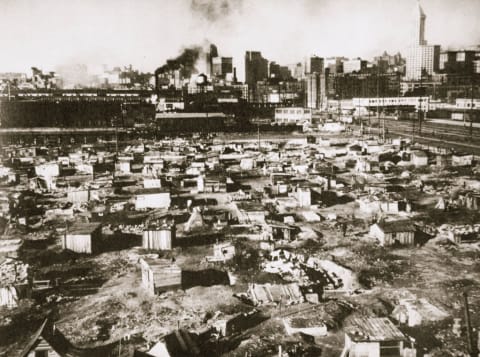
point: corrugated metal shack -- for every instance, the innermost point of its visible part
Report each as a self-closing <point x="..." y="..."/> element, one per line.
<point x="159" y="238"/>
<point x="83" y="238"/>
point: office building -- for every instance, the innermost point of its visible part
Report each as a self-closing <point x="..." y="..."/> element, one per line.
<point x="256" y="68"/>
<point x="422" y="59"/>
<point x="354" y="65"/>
<point x="459" y="62"/>
<point x="280" y="73"/>
<point x="315" y="90"/>
<point x="315" y="65"/>
<point x="362" y="85"/>
<point x="334" y="64"/>
<point x="297" y="70"/>
<point x="221" y="66"/>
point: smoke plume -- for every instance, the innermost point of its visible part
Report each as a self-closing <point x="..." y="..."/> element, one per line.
<point x="213" y="10"/>
<point x="185" y="62"/>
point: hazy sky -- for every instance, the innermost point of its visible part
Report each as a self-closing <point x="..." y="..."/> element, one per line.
<point x="46" y="33"/>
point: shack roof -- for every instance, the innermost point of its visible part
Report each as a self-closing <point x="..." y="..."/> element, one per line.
<point x="419" y="153"/>
<point x="151" y="191"/>
<point x="189" y="115"/>
<point x="403" y="225"/>
<point x="182" y="343"/>
<point x="250" y="206"/>
<point x="83" y="228"/>
<point x="376" y="329"/>
<point x="61" y="345"/>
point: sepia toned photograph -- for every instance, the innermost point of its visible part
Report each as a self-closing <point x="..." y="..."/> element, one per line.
<point x="239" y="178"/>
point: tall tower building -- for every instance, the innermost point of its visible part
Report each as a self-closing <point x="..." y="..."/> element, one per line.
<point x="221" y="66"/>
<point x="420" y="27"/>
<point x="256" y="68"/>
<point x="315" y="65"/>
<point x="315" y="90"/>
<point x="422" y="59"/>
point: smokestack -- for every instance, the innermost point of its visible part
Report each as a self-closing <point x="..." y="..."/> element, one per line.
<point x="234" y="74"/>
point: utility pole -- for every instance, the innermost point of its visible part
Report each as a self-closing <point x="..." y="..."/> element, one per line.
<point x="472" y="348"/>
<point x="420" y="112"/>
<point x="258" y="136"/>
<point x="413" y="128"/>
<point x="471" y="106"/>
<point x="378" y="105"/>
<point x="378" y="98"/>
<point x="115" y="122"/>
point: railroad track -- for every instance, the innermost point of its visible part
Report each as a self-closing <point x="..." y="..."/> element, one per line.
<point x="439" y="134"/>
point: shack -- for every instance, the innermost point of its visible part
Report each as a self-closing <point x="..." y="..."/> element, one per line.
<point x="83" y="238"/>
<point x="250" y="213"/>
<point x="414" y="312"/>
<point x="464" y="234"/>
<point x="178" y="343"/>
<point x="13" y="281"/>
<point x="278" y="231"/>
<point x="81" y="196"/>
<point x="222" y="252"/>
<point x="418" y="158"/>
<point x="239" y="323"/>
<point x="152" y="198"/>
<point x="159" y="238"/>
<point x="41" y="344"/>
<point x="398" y="232"/>
<point x="462" y="159"/>
<point x="373" y="337"/>
<point x="159" y="275"/>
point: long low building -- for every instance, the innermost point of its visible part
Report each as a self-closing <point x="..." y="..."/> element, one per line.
<point x="190" y="122"/>
<point x="293" y="115"/>
<point x="419" y="103"/>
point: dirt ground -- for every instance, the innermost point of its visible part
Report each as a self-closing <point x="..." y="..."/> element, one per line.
<point x="116" y="305"/>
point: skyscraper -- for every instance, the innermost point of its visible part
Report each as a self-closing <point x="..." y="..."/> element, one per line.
<point x="315" y="90"/>
<point x="256" y="68"/>
<point x="422" y="59"/>
<point x="221" y="66"/>
<point x="420" y="27"/>
<point x="315" y="65"/>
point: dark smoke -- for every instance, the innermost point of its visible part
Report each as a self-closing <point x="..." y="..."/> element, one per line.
<point x="213" y="10"/>
<point x="185" y="62"/>
<point x="213" y="51"/>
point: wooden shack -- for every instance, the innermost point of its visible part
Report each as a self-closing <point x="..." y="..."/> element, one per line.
<point x="83" y="238"/>
<point x="159" y="275"/>
<point x="152" y="198"/>
<point x="373" y="337"/>
<point x="250" y="212"/>
<point x="39" y="345"/>
<point x="175" y="344"/>
<point x="398" y="232"/>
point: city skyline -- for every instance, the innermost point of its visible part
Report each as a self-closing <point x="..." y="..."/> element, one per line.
<point x="52" y="33"/>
